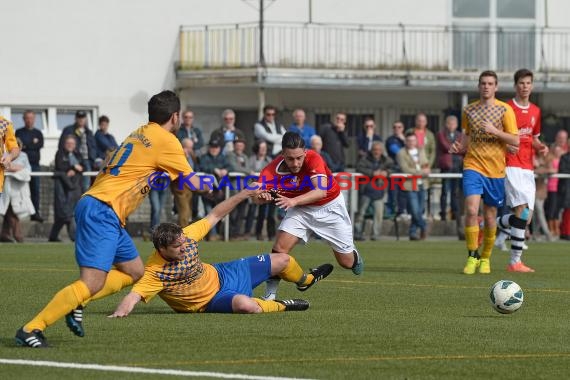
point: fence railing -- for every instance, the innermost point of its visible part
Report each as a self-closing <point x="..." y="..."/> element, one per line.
<point x="352" y="192"/>
<point x="375" y="47"/>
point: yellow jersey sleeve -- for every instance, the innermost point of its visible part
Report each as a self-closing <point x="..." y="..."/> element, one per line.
<point x="149" y="285"/>
<point x="510" y="121"/>
<point x="197" y="231"/>
<point x="124" y="181"/>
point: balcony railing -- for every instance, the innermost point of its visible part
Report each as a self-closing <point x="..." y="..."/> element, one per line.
<point x="400" y="47"/>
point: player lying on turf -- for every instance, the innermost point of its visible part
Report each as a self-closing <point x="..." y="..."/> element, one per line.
<point x="175" y="272"/>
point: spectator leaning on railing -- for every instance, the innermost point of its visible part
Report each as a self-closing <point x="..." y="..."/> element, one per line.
<point x="374" y="164"/>
<point x="33" y="141"/>
<point x="413" y="160"/>
<point x="85" y="144"/>
<point x="16" y="203"/>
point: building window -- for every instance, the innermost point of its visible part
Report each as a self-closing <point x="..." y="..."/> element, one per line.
<point x="66" y="117"/>
<point x="471" y="8"/>
<point x="17" y="116"/>
<point x="516" y="9"/>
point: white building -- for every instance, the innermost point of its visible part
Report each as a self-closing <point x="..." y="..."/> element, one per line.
<point x="366" y="57"/>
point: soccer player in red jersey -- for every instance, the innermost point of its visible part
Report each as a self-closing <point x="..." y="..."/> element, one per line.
<point x="300" y="182"/>
<point x="520" y="186"/>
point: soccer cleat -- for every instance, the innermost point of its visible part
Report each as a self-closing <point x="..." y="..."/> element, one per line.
<point x="519" y="267"/>
<point x="34" y="339"/>
<point x="294" y="304"/>
<point x="471" y="265"/>
<point x="318" y="273"/>
<point x="74" y="321"/>
<point x="484" y="266"/>
<point x="524" y="246"/>
<point x="358" y="267"/>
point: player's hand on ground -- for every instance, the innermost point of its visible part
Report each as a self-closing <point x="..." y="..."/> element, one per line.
<point x="284" y="202"/>
<point x="118" y="314"/>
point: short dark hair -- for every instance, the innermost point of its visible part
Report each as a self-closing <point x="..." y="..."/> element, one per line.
<point x="292" y="140"/>
<point x="269" y="107"/>
<point x="165" y="234"/>
<point x="161" y="107"/>
<point x="256" y="145"/>
<point x="523" y="73"/>
<point x="27" y="112"/>
<point x="103" y="119"/>
<point x="410" y="133"/>
<point x="489" y="73"/>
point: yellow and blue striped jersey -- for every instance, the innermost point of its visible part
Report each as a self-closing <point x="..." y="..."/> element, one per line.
<point x="486" y="153"/>
<point x="123" y="182"/>
<point x="186" y="285"/>
<point x="7" y="143"/>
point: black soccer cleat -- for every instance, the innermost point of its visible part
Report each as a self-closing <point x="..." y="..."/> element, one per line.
<point x="294" y="304"/>
<point x="74" y="320"/>
<point x="318" y="273"/>
<point x="34" y="339"/>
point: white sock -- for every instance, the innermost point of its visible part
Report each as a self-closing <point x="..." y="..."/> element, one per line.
<point x="271" y="286"/>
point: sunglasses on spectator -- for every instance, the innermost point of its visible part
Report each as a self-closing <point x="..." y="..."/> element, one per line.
<point x="369" y="125"/>
<point x="270" y="114"/>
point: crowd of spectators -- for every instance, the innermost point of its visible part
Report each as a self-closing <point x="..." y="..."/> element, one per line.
<point x="419" y="150"/>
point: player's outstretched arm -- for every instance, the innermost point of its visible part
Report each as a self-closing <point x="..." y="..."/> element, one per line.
<point x="318" y="192"/>
<point x="126" y="306"/>
<point x="224" y="208"/>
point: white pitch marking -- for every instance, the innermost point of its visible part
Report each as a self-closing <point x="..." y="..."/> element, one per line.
<point x="156" y="371"/>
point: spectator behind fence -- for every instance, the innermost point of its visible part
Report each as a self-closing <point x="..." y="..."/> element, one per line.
<point x="301" y="127"/>
<point x="228" y="132"/>
<point x="269" y="130"/>
<point x="539" y="221"/>
<point x="16" y="202"/>
<point x="367" y="137"/>
<point x="214" y="162"/>
<point x="372" y="194"/>
<point x="413" y="160"/>
<point x="189" y="131"/>
<point x="552" y="203"/>
<point x="426" y="138"/>
<point x="317" y="146"/>
<point x="105" y="141"/>
<point x="183" y="198"/>
<point x="239" y="163"/>
<point x="449" y="163"/>
<point x="335" y="140"/>
<point x="9" y="149"/>
<point x="564" y="196"/>
<point x="33" y="141"/>
<point x="67" y="188"/>
<point x="257" y="161"/>
<point x="396" y="204"/>
<point x="85" y="145"/>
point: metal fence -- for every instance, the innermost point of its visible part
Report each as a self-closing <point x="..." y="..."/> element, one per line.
<point x="375" y="47"/>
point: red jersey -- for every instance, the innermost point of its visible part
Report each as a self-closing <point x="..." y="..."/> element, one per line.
<point x="277" y="175"/>
<point x="528" y="123"/>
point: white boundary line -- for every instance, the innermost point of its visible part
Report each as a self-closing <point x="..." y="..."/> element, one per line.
<point x="156" y="371"/>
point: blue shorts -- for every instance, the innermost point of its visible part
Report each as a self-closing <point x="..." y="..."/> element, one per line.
<point x="239" y="277"/>
<point x="100" y="239"/>
<point x="491" y="189"/>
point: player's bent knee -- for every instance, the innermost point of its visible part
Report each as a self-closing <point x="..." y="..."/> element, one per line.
<point x="245" y="305"/>
<point x="279" y="261"/>
<point x="345" y="260"/>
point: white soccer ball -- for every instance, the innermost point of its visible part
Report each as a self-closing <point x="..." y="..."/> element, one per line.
<point x="506" y="296"/>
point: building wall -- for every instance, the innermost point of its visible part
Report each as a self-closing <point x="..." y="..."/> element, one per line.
<point x="113" y="55"/>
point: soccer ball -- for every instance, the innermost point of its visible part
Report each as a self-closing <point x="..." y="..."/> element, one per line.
<point x="506" y="296"/>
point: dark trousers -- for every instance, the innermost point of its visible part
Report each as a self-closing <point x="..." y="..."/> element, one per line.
<point x="35" y="188"/>
<point x="58" y="225"/>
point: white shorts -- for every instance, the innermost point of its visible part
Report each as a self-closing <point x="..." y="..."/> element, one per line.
<point x="520" y="187"/>
<point x="330" y="221"/>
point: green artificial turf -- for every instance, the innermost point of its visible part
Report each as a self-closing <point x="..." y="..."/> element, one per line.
<point x="411" y="315"/>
